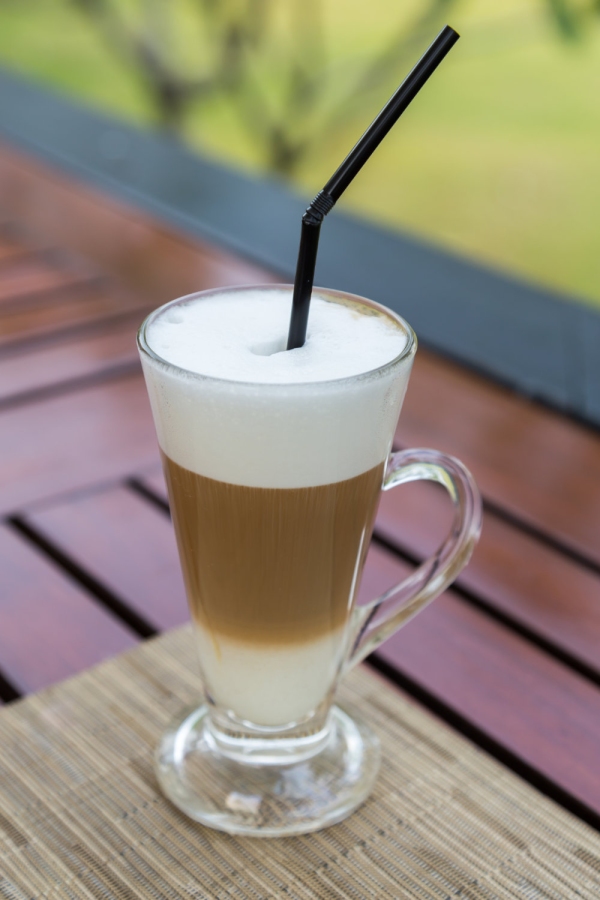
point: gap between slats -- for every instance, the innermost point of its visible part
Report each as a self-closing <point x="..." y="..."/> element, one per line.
<point x="534" y="531"/>
<point x="483" y="740"/>
<point x="499" y="616"/>
<point x="95" y="588"/>
<point x="112" y="372"/>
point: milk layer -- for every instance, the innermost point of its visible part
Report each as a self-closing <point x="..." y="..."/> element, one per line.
<point x="227" y="407"/>
<point x="269" y="685"/>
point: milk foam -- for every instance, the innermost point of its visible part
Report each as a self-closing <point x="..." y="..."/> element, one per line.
<point x="242" y="337"/>
<point x="288" y="419"/>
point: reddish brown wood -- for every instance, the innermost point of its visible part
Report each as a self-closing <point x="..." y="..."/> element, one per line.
<point x="538" y="465"/>
<point x="68" y="442"/>
<point x="142" y="252"/>
<point x="10" y="246"/>
<point x="531" y="704"/>
<point x="30" y="274"/>
<point x="50" y="628"/>
<point x="546" y="591"/>
<point x="48" y="314"/>
<point x="126" y="544"/>
<point x="77" y="356"/>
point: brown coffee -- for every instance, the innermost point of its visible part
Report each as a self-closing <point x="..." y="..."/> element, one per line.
<point x="270" y="565"/>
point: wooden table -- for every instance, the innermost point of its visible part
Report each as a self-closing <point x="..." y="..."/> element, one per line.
<point x="509" y="656"/>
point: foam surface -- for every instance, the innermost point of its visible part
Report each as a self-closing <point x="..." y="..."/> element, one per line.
<point x="281" y="433"/>
<point x="242" y="337"/>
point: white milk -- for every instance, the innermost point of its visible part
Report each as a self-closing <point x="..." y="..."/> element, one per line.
<point x="231" y="404"/>
<point x="269" y="685"/>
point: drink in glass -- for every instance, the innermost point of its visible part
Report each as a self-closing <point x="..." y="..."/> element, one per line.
<point x="274" y="462"/>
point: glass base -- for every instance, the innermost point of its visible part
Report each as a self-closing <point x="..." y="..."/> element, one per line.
<point x="291" y="793"/>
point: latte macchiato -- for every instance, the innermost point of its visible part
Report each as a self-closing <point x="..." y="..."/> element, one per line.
<point x="274" y="462"/>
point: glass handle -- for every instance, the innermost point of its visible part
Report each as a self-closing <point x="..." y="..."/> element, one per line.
<point x="373" y="623"/>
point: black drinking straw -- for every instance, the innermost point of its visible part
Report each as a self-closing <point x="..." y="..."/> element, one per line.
<point x="339" y="181"/>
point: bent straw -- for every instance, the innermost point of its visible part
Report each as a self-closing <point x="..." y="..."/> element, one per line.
<point x="339" y="181"/>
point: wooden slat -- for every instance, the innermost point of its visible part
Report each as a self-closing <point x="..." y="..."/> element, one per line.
<point x="538" y="465"/>
<point x="30" y="274"/>
<point x="125" y="543"/>
<point x="50" y="628"/>
<point x="146" y="254"/>
<point x="10" y="246"/>
<point x="49" y="314"/>
<point x="537" y="586"/>
<point x="67" y="442"/>
<point x="529" y="703"/>
<point x="80" y="356"/>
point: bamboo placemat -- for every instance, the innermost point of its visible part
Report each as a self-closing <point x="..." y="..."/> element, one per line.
<point x="81" y="816"/>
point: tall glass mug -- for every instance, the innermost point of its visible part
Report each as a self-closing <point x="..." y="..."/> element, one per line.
<point x="273" y="490"/>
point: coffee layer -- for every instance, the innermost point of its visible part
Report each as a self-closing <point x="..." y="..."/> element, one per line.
<point x="271" y="566"/>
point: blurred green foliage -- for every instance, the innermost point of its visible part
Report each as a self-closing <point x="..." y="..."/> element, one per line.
<point x="497" y="159"/>
<point x="272" y="62"/>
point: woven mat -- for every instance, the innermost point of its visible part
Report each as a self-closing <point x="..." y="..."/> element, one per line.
<point x="81" y="817"/>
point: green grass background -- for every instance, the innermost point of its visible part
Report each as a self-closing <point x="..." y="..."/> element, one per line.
<point x="498" y="159"/>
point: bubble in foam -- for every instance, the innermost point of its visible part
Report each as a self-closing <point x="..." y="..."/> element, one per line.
<point x="242" y="337"/>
